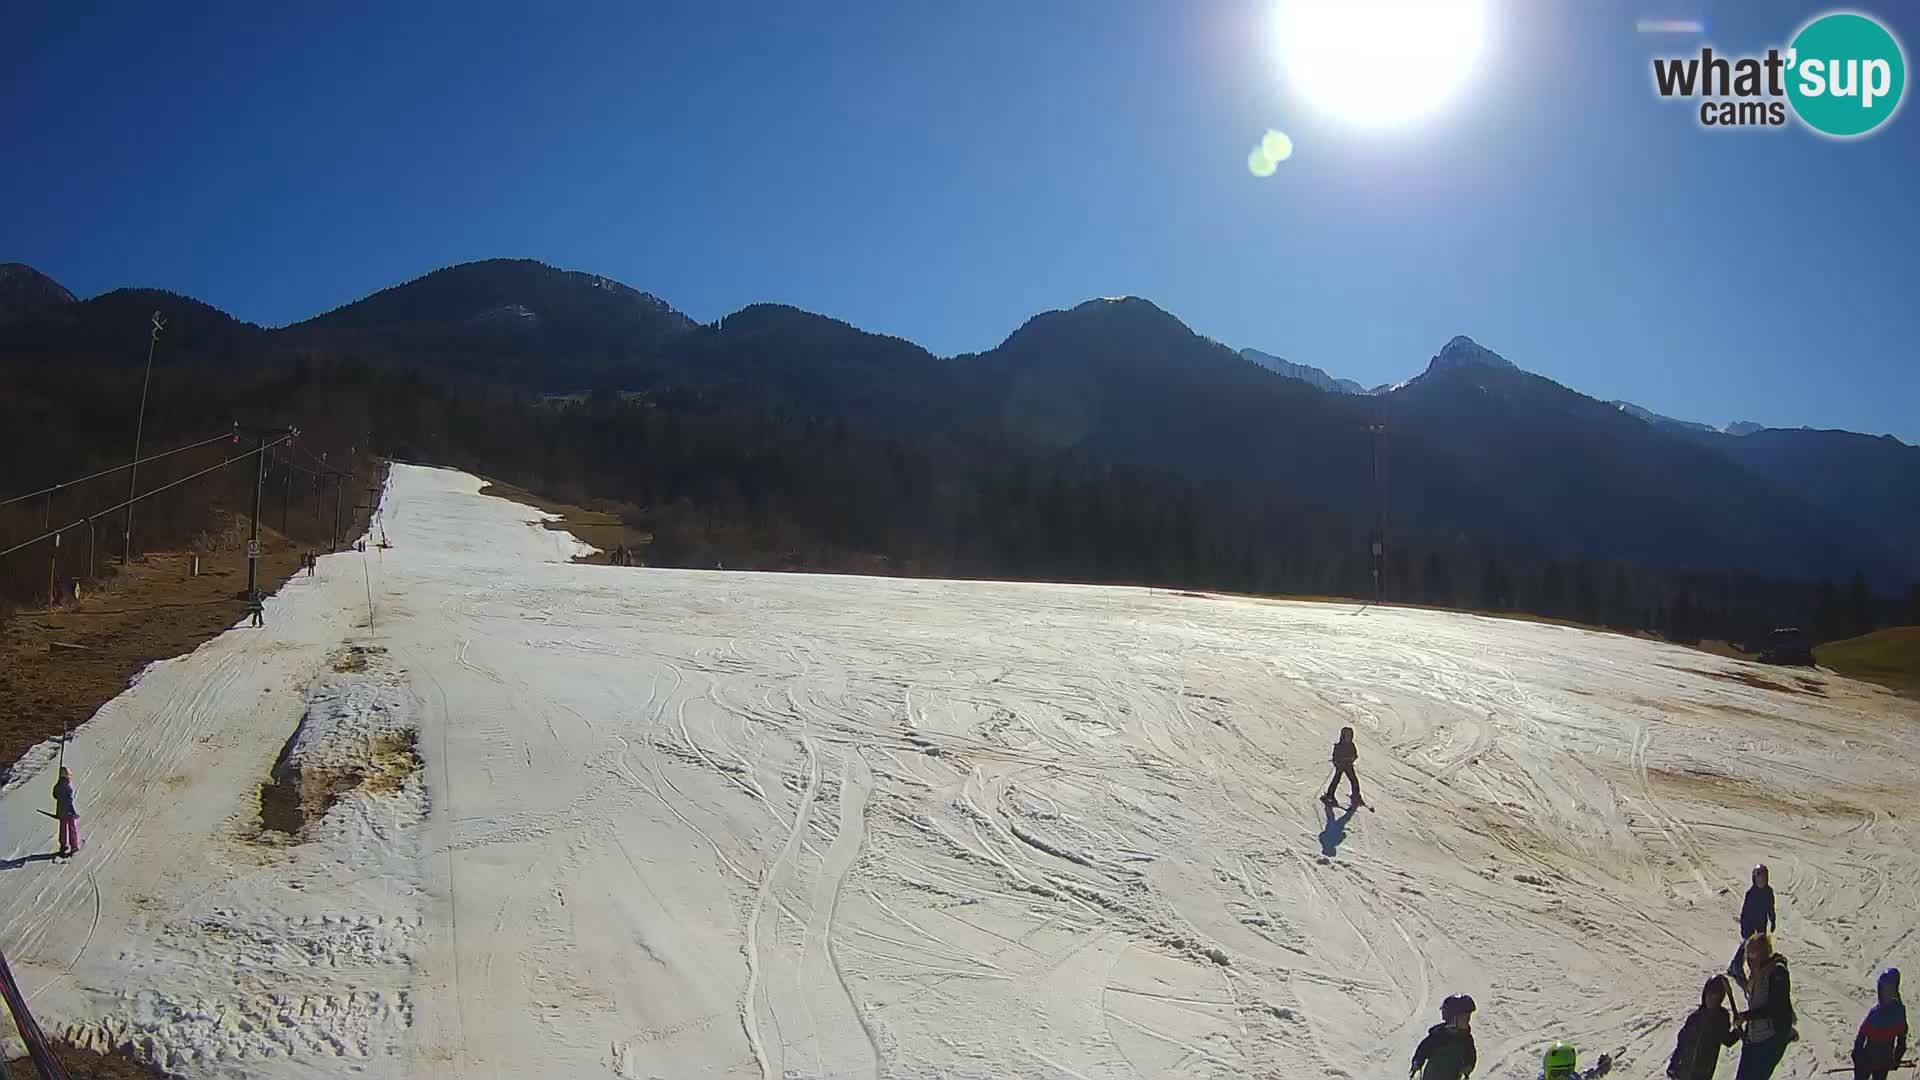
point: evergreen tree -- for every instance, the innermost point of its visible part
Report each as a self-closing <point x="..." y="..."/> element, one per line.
<point x="1437" y="588"/>
<point x="1553" y="591"/>
<point x="1826" y="619"/>
<point x="1586" y="605"/>
<point x="1625" y="613"/>
<point x="1400" y="583"/>
<point x="1680" y="620"/>
<point x="1913" y="604"/>
<point x="1493" y="589"/>
<point x="1859" y="605"/>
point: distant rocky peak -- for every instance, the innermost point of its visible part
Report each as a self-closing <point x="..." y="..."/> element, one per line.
<point x="1463" y="351"/>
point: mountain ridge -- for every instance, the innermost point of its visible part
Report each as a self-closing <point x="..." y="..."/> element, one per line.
<point x="1306" y="373"/>
<point x="1484" y="452"/>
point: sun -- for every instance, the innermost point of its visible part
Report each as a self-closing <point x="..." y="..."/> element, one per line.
<point x="1380" y="63"/>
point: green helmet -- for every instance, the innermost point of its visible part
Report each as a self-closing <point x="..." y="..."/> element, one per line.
<point x="1560" y="1056"/>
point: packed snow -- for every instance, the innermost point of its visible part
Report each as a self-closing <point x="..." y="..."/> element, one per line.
<point x="534" y="817"/>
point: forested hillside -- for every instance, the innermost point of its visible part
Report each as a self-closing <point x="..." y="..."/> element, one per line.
<point x="1108" y="442"/>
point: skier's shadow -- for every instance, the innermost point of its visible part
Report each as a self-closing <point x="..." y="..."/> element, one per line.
<point x="15" y="864"/>
<point x="1336" y="830"/>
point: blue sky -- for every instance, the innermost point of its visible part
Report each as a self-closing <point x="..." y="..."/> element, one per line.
<point x="943" y="172"/>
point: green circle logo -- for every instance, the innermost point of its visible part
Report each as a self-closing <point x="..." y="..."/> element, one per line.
<point x="1845" y="74"/>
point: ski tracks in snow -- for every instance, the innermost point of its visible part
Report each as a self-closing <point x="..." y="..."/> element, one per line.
<point x="792" y="827"/>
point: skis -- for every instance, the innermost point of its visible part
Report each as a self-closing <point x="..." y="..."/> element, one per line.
<point x="1849" y="1068"/>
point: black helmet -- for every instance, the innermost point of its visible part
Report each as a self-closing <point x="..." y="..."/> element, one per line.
<point x="1457" y="1005"/>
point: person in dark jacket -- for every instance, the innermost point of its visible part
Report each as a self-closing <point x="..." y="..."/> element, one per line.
<point x="1447" y="1053"/>
<point x="1881" y="1043"/>
<point x="68" y="816"/>
<point x="1756" y="916"/>
<point x="1767" y="1022"/>
<point x="1707" y="1029"/>
<point x="1345" y="753"/>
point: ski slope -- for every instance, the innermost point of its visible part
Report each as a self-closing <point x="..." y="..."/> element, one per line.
<point x="676" y="824"/>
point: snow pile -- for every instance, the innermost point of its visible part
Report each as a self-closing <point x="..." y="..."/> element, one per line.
<point x="352" y="766"/>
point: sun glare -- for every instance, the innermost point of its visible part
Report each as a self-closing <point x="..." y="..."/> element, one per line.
<point x="1379" y="63"/>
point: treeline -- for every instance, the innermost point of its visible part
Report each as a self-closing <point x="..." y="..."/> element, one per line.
<point x="1676" y="605"/>
<point x="713" y="485"/>
<point x="66" y="421"/>
<point x="771" y="491"/>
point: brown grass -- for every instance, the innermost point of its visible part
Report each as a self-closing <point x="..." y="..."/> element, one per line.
<point x="58" y="668"/>
<point x="87" y="1065"/>
<point x="61" y="667"/>
<point x="603" y="528"/>
<point x="1890" y="657"/>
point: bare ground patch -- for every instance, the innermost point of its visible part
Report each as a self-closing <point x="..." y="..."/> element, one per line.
<point x="1758" y="682"/>
<point x="355" y="658"/>
<point x="298" y="796"/>
<point x="87" y="1065"/>
<point x="604" y="526"/>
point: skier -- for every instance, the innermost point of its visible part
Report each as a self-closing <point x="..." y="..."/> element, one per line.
<point x="1768" y="1019"/>
<point x="1562" y="1063"/>
<point x="1756" y="916"/>
<point x="69" y="817"/>
<point x="1708" y="1028"/>
<point x="1344" y="756"/>
<point x="1882" y="1042"/>
<point x="257" y="609"/>
<point x="1447" y="1051"/>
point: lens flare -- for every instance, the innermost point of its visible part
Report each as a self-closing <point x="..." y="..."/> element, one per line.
<point x="1277" y="145"/>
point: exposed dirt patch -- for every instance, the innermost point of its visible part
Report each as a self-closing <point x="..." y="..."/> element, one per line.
<point x="1719" y="789"/>
<point x="295" y="796"/>
<point x="355" y="658"/>
<point x="396" y="757"/>
<point x="1748" y="678"/>
<point x="87" y="1065"/>
<point x="603" y="528"/>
